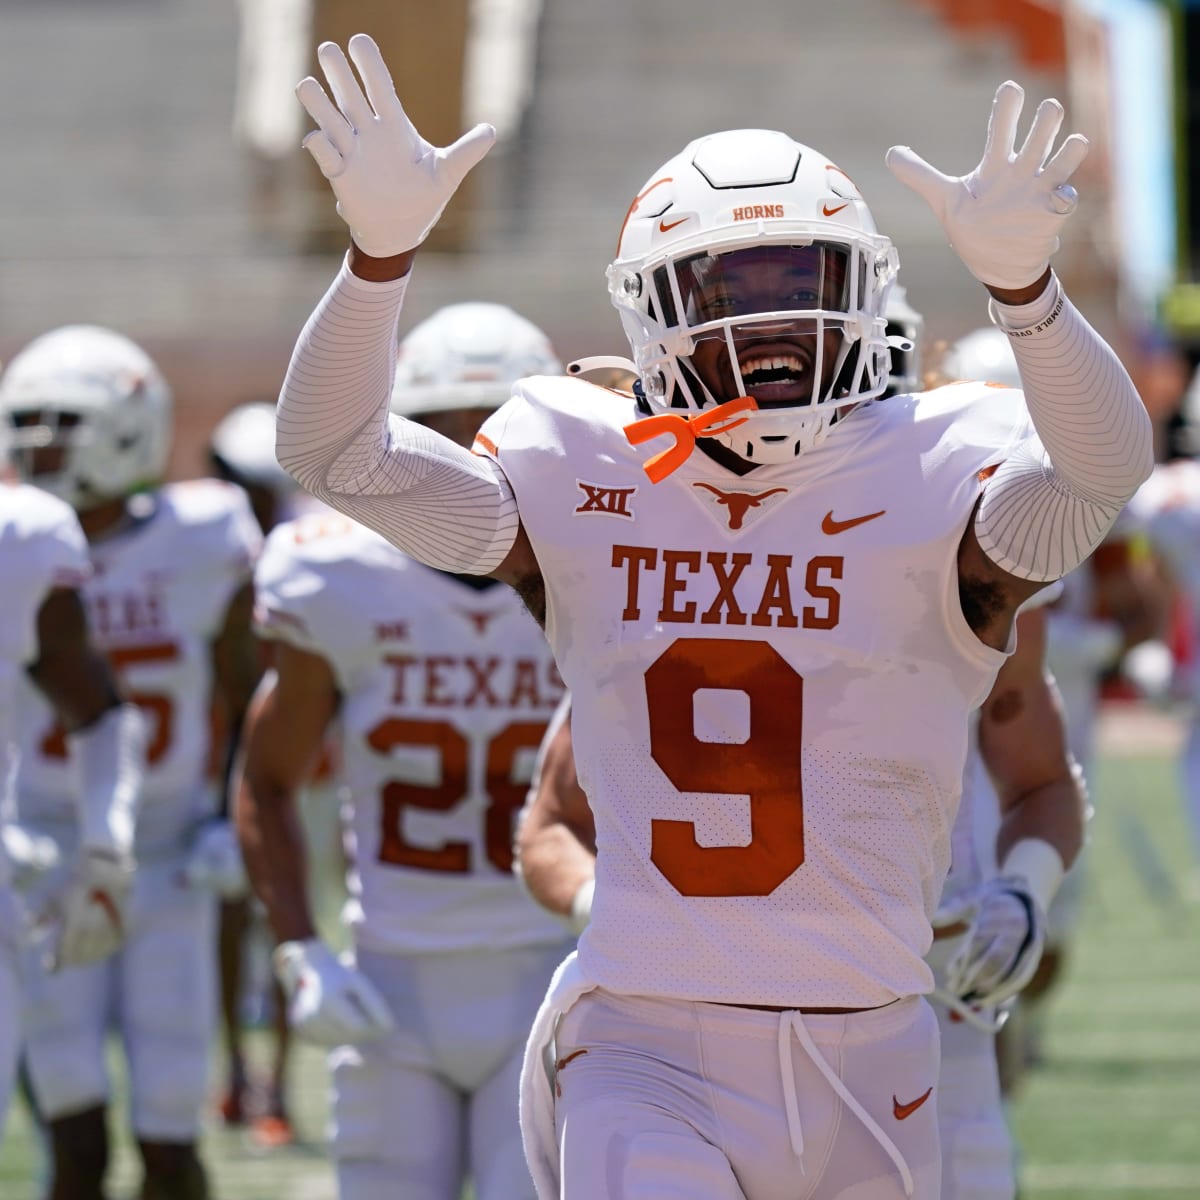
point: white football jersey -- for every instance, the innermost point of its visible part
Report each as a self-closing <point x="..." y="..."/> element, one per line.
<point x="41" y="548"/>
<point x="771" y="676"/>
<point x="446" y="690"/>
<point x="158" y="595"/>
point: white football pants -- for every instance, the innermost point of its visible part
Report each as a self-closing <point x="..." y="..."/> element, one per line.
<point x="435" y="1102"/>
<point x="159" y="992"/>
<point x="672" y="1100"/>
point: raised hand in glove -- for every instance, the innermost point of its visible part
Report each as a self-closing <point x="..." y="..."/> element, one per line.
<point x="328" y="1001"/>
<point x="215" y="861"/>
<point x="391" y="184"/>
<point x="1003" y="944"/>
<point x="1004" y="218"/>
<point x="87" y="916"/>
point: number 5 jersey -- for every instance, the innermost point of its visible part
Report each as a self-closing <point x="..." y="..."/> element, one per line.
<point x="157" y="597"/>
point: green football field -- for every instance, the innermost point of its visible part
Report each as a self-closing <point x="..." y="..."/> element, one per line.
<point x="1113" y="1112"/>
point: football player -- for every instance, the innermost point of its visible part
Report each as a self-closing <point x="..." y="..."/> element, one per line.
<point x="1107" y="605"/>
<point x="1166" y="511"/>
<point x="774" y="603"/>
<point x="170" y="602"/>
<point x="44" y="636"/>
<point x="441" y="685"/>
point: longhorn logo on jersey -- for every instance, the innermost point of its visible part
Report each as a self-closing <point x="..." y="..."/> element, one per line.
<point x="734" y="509"/>
<point x="479" y="620"/>
<point x="602" y="500"/>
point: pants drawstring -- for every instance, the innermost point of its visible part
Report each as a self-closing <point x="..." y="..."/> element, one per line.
<point x="793" y="1022"/>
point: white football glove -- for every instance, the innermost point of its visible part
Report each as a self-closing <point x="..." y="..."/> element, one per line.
<point x="31" y="855"/>
<point x="86" y="917"/>
<point x="215" y="861"/>
<point x="330" y="1002"/>
<point x="1004" y="218"/>
<point x="391" y="184"/>
<point x="1003" y="943"/>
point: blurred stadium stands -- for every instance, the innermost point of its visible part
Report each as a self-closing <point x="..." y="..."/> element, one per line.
<point x="125" y="200"/>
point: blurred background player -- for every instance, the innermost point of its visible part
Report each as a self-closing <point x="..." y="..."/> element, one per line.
<point x="1166" y="510"/>
<point x="241" y="451"/>
<point x="1107" y="605"/>
<point x="44" y="638"/>
<point x="442" y="685"/>
<point x="170" y="603"/>
<point x="990" y="929"/>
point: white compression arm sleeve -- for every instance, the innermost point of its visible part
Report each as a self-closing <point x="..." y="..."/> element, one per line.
<point x="1054" y="498"/>
<point x="111" y="758"/>
<point x="434" y="500"/>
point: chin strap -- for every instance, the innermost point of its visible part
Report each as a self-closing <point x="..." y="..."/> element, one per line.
<point x="602" y="362"/>
<point x="685" y="431"/>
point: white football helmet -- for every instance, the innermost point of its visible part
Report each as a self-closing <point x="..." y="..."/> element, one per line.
<point x="99" y="399"/>
<point x="984" y="354"/>
<point x="765" y="245"/>
<point x="468" y="356"/>
<point x="904" y="329"/>
<point x="242" y="447"/>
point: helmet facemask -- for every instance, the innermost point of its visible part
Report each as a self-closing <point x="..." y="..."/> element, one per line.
<point x="756" y="209"/>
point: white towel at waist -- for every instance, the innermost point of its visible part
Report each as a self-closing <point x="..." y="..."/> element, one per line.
<point x="537" y="1086"/>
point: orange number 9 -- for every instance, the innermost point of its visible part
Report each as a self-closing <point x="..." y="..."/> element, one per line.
<point x="766" y="766"/>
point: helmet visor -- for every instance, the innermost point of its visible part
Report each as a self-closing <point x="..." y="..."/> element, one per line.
<point x="705" y="289"/>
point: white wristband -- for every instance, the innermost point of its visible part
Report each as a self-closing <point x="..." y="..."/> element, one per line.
<point x="1039" y="864"/>
<point x="581" y="907"/>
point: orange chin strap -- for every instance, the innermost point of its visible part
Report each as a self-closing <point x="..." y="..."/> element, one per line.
<point x="685" y="431"/>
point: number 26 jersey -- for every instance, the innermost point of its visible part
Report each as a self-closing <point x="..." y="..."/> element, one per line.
<point x="446" y="690"/>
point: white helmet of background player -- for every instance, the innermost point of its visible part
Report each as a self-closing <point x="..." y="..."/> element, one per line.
<point x="90" y="415"/>
<point x="905" y="327"/>
<point x="242" y="449"/>
<point x="468" y="356"/>
<point x="984" y="354"/>
<point x="749" y="264"/>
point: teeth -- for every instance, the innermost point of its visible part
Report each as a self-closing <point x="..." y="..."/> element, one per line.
<point x="773" y="362"/>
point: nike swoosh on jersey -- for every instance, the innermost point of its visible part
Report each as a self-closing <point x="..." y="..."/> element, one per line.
<point x="831" y="525"/>
<point x="902" y="1111"/>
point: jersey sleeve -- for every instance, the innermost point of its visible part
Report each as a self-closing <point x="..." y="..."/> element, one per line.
<point x="62" y="552"/>
<point x="54" y="554"/>
<point x="304" y="591"/>
<point x="285" y="590"/>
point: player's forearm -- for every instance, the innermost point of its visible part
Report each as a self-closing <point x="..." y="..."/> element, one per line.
<point x="1084" y="406"/>
<point x="1054" y="813"/>
<point x="554" y="865"/>
<point x="1050" y="505"/>
<point x="273" y="850"/>
<point x="331" y="421"/>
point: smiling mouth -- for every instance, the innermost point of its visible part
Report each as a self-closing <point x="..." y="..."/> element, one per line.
<point x="777" y="376"/>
